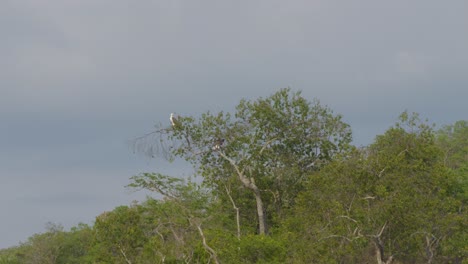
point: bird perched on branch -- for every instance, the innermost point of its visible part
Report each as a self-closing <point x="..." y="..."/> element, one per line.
<point x="174" y="121"/>
<point x="218" y="144"/>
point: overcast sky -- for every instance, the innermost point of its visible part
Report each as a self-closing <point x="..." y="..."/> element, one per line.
<point x="78" y="79"/>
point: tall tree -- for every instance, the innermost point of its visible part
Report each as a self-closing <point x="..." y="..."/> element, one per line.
<point x="269" y="145"/>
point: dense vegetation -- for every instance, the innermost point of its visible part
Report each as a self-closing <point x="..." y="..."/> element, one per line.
<point x="282" y="184"/>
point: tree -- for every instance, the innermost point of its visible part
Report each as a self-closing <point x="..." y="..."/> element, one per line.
<point x="186" y="225"/>
<point x="394" y="200"/>
<point x="118" y="236"/>
<point x="182" y="212"/>
<point x="75" y="245"/>
<point x="269" y="145"/>
<point x="53" y="246"/>
<point x="453" y="140"/>
<point x="45" y="247"/>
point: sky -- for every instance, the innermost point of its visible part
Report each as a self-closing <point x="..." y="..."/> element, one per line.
<point x="80" y="79"/>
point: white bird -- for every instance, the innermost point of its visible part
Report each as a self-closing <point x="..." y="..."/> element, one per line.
<point x="173" y="119"/>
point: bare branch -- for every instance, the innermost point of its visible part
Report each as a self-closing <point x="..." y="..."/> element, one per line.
<point x="382" y="171"/>
<point x="347" y="217"/>
<point x="228" y="191"/>
<point x="381" y="230"/>
<point x="250" y="184"/>
<point x="124" y="255"/>
<point x="153" y="143"/>
<point x="351" y="203"/>
<point x="266" y="144"/>
<point x="205" y="245"/>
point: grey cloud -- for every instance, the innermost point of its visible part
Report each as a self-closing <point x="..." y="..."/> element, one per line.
<point x="80" y="78"/>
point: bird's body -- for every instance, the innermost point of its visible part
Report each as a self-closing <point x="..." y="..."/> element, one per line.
<point x="218" y="144"/>
<point x="173" y="120"/>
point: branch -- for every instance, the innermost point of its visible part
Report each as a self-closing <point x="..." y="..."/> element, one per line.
<point x="159" y="131"/>
<point x="351" y="203"/>
<point x="158" y="233"/>
<point x="343" y="237"/>
<point x="178" y="239"/>
<point x="205" y="245"/>
<point x="336" y="236"/>
<point x="153" y="143"/>
<point x="247" y="183"/>
<point x="383" y="170"/>
<point x="124" y="255"/>
<point x="379" y="248"/>
<point x="381" y="230"/>
<point x="347" y="217"/>
<point x="237" y="212"/>
<point x="266" y="144"/>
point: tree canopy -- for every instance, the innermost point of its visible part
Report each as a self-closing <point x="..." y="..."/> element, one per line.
<point x="269" y="145"/>
<point x="282" y="183"/>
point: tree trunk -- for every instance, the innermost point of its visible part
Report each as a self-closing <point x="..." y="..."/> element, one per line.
<point x="379" y="248"/>
<point x="261" y="216"/>
<point x="250" y="184"/>
<point x="379" y="253"/>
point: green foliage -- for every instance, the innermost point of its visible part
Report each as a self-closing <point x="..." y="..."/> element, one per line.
<point x="268" y="146"/>
<point x="395" y="195"/>
<point x="76" y="244"/>
<point x="118" y="237"/>
<point x="12" y="255"/>
<point x="453" y="140"/>
<point x="179" y="218"/>
<point x="247" y="249"/>
<point x="401" y="199"/>
<point x="261" y="249"/>
<point x="52" y="246"/>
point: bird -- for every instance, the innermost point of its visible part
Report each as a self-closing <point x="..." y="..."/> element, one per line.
<point x="173" y="120"/>
<point x="218" y="143"/>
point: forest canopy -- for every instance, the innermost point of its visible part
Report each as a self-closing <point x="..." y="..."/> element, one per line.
<point x="282" y="183"/>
